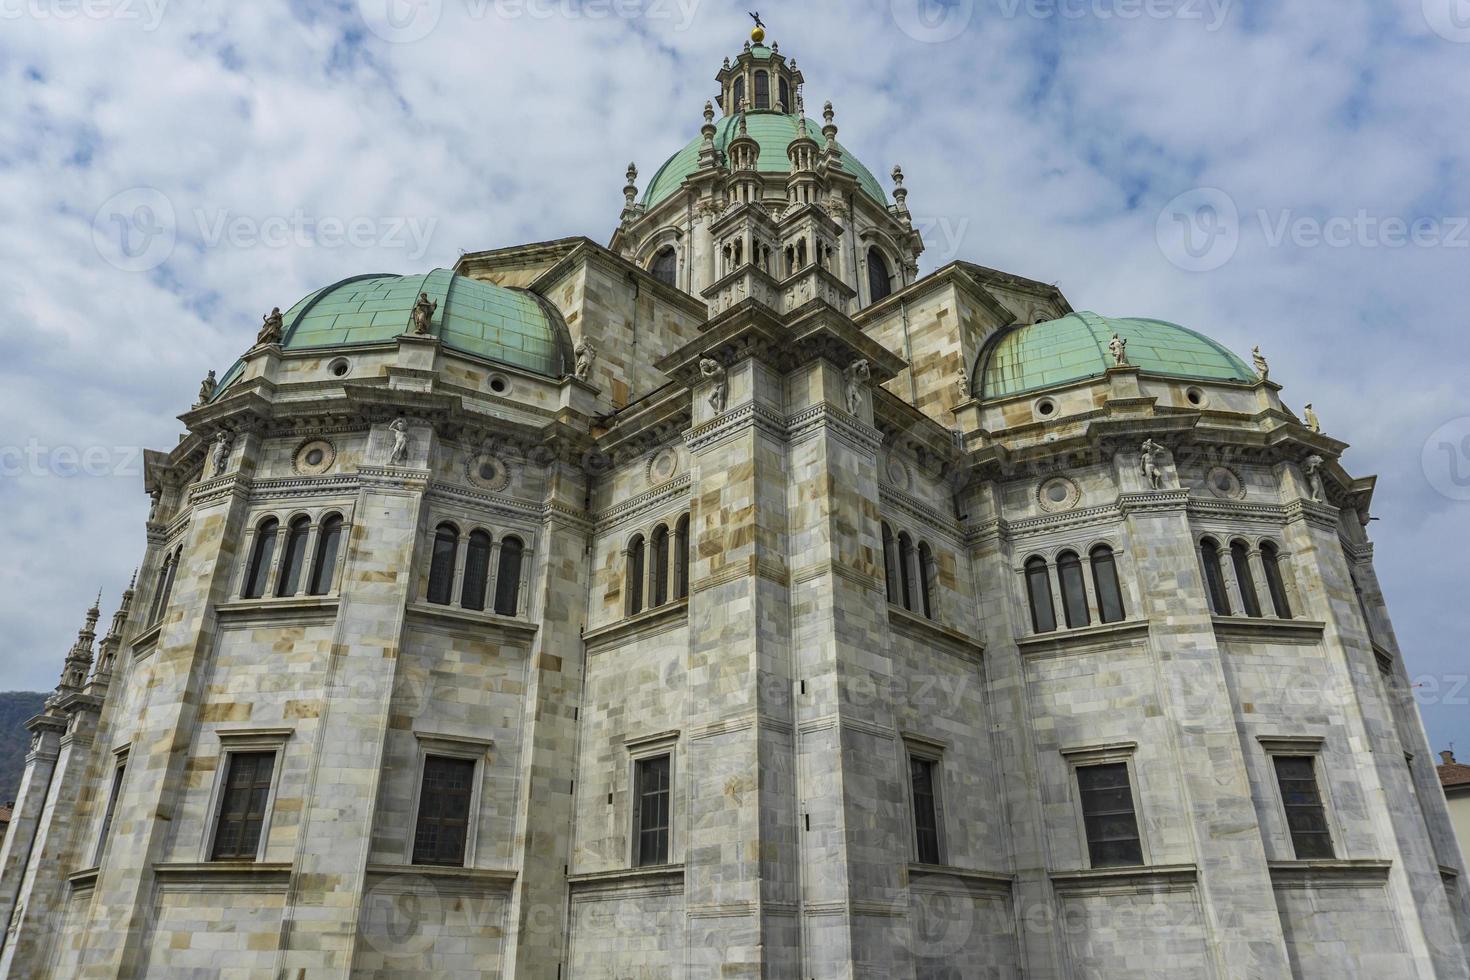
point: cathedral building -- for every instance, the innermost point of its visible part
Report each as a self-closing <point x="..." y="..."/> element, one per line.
<point x="729" y="601"/>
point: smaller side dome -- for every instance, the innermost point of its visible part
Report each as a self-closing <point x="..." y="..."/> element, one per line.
<point x="1075" y="347"/>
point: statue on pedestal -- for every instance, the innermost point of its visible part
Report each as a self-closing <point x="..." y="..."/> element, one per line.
<point x="272" y="327"/>
<point x="710" y="368"/>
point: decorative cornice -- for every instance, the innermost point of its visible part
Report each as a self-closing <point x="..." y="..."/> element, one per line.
<point x="920" y="511"/>
<point x="652" y="622"/>
<point x="1153" y="501"/>
<point x="1257" y="628"/>
<point x="1313" y="512"/>
<point x="849" y="428"/>
<point x="997" y="883"/>
<point x="1157" y="877"/>
<point x="1328" y="874"/>
<point x="1084" y="639"/>
<point x="926" y="630"/>
<point x="639" y="504"/>
<point x="750" y="414"/>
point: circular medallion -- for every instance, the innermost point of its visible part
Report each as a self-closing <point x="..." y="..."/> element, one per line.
<point x="662" y="466"/>
<point x="488" y="472"/>
<point x="1224" y="482"/>
<point x="1058" y="493"/>
<point x="314" y="457"/>
<point x="898" y="474"/>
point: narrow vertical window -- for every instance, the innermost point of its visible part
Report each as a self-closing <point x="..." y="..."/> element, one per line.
<point x="1108" y="817"/>
<point x="328" y="545"/>
<point x="785" y="90"/>
<point x="476" y="571"/>
<point x="665" y="266"/>
<point x="293" y="559"/>
<point x="1209" y="553"/>
<point x="633" y="576"/>
<point x="890" y="579"/>
<point x="442" y="828"/>
<point x="1240" y="559"/>
<point x="166" y="584"/>
<point x="681" y="557"/>
<point x="651" y="778"/>
<point x="243" y="801"/>
<point x="1105" y="584"/>
<point x="926" y="585"/>
<point x="1074" y="591"/>
<point x="158" y="588"/>
<point x="261" y="557"/>
<point x="906" y="569"/>
<point x="660" y="567"/>
<point x="508" y="576"/>
<point x="1276" y="585"/>
<point x="762" y="90"/>
<point x="1038" y="593"/>
<point x="739" y="93"/>
<point x="1306" y="818"/>
<point x="441" y="564"/>
<point x="926" y="809"/>
<point x="880" y="283"/>
<point x="111" y="811"/>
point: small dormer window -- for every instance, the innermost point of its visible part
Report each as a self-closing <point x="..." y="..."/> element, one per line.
<point x="762" y="90"/>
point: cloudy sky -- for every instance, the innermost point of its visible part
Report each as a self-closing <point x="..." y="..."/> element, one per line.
<point x="1293" y="175"/>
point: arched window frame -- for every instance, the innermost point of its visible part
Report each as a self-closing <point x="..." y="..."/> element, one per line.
<point x="474" y="589"/>
<point x="737" y="94"/>
<point x="262" y="556"/>
<point x="890" y="567"/>
<point x="762" y="90"/>
<point x="509" y="571"/>
<point x="1272" y="558"/>
<point x="1107" y="585"/>
<point x="658" y="578"/>
<point x="166" y="574"/>
<point x="443" y="555"/>
<point x="784" y="88"/>
<point x="1038" y="594"/>
<point x="880" y="275"/>
<point x="291" y="576"/>
<point x="664" y="266"/>
<point x="633" y="571"/>
<point x="328" y="550"/>
<point x="681" y="557"/>
<point x="926" y="579"/>
<point x="906" y="570"/>
<point x="1073" y="585"/>
<point x="1215" y="589"/>
<point x="1245" y="579"/>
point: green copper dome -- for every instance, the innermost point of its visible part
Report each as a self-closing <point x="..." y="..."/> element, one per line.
<point x="1075" y="347"/>
<point x="511" y="326"/>
<point x="774" y="131"/>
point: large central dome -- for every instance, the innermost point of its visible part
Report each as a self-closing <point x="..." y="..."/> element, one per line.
<point x="774" y="131"/>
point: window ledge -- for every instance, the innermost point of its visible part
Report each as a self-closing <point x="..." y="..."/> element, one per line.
<point x="650" y="620"/>
<point x="1328" y="873"/>
<point x="144" y="642"/>
<point x="996" y="881"/>
<point x="1266" y="627"/>
<point x="85" y="878"/>
<point x="444" y="873"/>
<point x="1149" y="876"/>
<point x="454" y="614"/>
<point x="292" y="606"/>
<point x="232" y="872"/>
<point x="659" y="875"/>
<point x="1066" y="640"/>
<point x="911" y="622"/>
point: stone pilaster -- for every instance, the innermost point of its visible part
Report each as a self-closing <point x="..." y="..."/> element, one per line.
<point x="27" y="814"/>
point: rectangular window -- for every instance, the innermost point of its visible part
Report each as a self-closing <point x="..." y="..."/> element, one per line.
<point x="444" y="811"/>
<point x="1305" y="816"/>
<point x="242" y="808"/>
<point x="117" y="778"/>
<point x="926" y="810"/>
<point x="651" y="786"/>
<point x="1108" y="817"/>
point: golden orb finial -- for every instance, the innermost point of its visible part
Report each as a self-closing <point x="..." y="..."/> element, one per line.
<point x="757" y="34"/>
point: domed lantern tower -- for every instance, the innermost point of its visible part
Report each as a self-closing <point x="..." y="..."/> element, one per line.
<point x="766" y="202"/>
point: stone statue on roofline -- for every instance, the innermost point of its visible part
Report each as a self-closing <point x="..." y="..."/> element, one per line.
<point x="586" y="353"/>
<point x="711" y="368"/>
<point x="1313" y="469"/>
<point x="206" y="389"/>
<point x="1149" y="464"/>
<point x="272" y="327"/>
<point x="1119" y="349"/>
<point x="398" y="455"/>
<point x="855" y="379"/>
<point x="221" y="455"/>
<point x="423" y="314"/>
<point x="1263" y="370"/>
<point x="1313" y="423"/>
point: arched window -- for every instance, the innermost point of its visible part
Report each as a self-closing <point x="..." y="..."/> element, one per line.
<point x="260" y="558"/>
<point x="762" y="90"/>
<point x="739" y="94"/>
<point x="1240" y="558"/>
<point x="665" y="267"/>
<point x="1105" y="584"/>
<point x="660" y="567"/>
<point x="324" y="564"/>
<point x="476" y="571"/>
<point x="926" y="584"/>
<point x="681" y="557"/>
<point x="880" y="284"/>
<point x="1275" y="584"/>
<point x="508" y="576"/>
<point x="441" y="564"/>
<point x="1074" y="591"/>
<point x="1209" y="553"/>
<point x="166" y="575"/>
<point x="905" y="569"/>
<point x="633" y="576"/>
<point x="785" y="90"/>
<point x="1038" y="593"/>
<point x="293" y="560"/>
<point x="890" y="577"/>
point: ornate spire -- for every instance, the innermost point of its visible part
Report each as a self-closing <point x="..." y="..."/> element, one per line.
<point x="630" y="189"/>
<point x="107" y="650"/>
<point x="829" y="129"/>
<point x="79" y="658"/>
<point x="708" y="155"/>
<point x="900" y="193"/>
